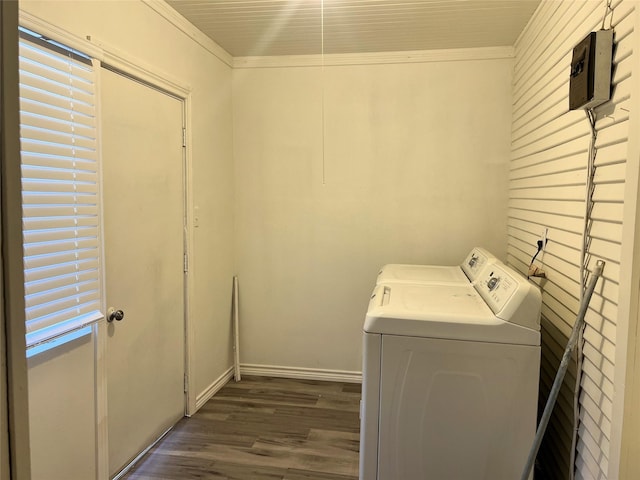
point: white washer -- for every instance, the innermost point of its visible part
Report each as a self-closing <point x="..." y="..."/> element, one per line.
<point x="464" y="273"/>
<point x="450" y="379"/>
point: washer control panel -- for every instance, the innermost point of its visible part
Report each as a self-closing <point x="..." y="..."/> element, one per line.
<point x="498" y="287"/>
<point x="477" y="259"/>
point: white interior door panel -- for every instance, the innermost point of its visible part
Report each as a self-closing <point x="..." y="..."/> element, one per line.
<point x="143" y="237"/>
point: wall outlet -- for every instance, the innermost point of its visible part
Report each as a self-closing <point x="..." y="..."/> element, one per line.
<point x="543" y="238"/>
<point x="535" y="270"/>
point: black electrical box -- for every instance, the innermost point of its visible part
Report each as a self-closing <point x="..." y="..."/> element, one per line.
<point x="590" y="83"/>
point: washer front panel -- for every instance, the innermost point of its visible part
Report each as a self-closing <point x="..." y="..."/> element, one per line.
<point x="451" y="409"/>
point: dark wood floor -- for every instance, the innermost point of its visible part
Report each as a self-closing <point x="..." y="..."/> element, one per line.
<point x="263" y="429"/>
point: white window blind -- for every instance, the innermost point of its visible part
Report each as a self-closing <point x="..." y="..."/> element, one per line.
<point x="60" y="189"/>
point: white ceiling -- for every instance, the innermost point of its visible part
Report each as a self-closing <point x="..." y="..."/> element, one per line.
<point x="302" y="27"/>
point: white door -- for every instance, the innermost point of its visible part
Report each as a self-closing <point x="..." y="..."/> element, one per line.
<point x="143" y="197"/>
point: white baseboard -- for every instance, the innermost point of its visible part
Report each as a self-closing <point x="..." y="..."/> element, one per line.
<point x="212" y="389"/>
<point x="301" y="373"/>
<point x="277" y="371"/>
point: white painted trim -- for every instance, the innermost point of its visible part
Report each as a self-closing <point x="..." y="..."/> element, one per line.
<point x="527" y="27"/>
<point x="623" y="446"/>
<point x="236" y="330"/>
<point x="212" y="389"/>
<point x="139" y="457"/>
<point x="277" y="371"/>
<point x="190" y="335"/>
<point x="93" y="47"/>
<point x="38" y="25"/>
<point x="100" y="330"/>
<point x="102" y="427"/>
<point x="108" y="54"/>
<point x="301" y="373"/>
<point x="14" y="437"/>
<point x="136" y="68"/>
<point x="168" y="13"/>
<point x="418" y="56"/>
<point x="139" y="69"/>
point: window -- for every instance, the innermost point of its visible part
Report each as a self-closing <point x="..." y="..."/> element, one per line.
<point x="60" y="189"/>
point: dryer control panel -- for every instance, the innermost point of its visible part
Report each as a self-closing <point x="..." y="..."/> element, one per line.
<point x="509" y="295"/>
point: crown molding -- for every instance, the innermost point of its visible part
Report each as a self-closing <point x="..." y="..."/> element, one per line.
<point x="172" y="16"/>
<point x="417" y="56"/>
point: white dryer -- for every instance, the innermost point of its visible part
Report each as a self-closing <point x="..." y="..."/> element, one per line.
<point x="464" y="273"/>
<point x="450" y="379"/>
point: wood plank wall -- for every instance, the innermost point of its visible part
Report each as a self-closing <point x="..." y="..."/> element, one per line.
<point x="547" y="190"/>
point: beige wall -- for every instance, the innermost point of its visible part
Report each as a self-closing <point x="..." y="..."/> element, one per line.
<point x="135" y="28"/>
<point x="411" y="169"/>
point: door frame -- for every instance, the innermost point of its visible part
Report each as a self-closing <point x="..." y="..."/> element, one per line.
<point x="137" y="70"/>
<point x="14" y="401"/>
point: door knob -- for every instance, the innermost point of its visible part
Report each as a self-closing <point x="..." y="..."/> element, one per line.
<point x="113" y="314"/>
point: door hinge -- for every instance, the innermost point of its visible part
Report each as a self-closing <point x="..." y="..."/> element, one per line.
<point x="184" y="137"/>
<point x="186" y="383"/>
<point x="186" y="263"/>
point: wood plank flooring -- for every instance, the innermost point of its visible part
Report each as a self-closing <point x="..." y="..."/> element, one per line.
<point x="263" y="429"/>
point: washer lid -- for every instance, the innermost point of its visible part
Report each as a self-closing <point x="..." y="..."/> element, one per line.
<point x="398" y="273"/>
<point x="440" y="311"/>
<point x="467" y="271"/>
